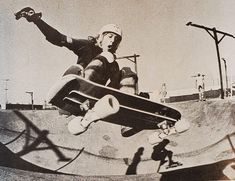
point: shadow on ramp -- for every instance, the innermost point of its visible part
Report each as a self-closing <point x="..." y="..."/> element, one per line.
<point x="41" y="138"/>
<point x="220" y="165"/>
<point x="206" y="172"/>
<point x="13" y="167"/>
<point x="9" y="159"/>
<point x="160" y="153"/>
<point x="132" y="169"/>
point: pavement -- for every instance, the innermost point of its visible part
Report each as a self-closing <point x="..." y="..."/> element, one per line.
<point x="41" y="139"/>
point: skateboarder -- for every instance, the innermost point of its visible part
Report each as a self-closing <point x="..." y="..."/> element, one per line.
<point x="200" y="86"/>
<point x="96" y="55"/>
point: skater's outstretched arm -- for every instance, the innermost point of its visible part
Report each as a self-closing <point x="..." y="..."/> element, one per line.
<point x="51" y="34"/>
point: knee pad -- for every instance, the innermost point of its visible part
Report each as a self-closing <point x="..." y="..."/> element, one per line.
<point x="128" y="80"/>
<point x="75" y="69"/>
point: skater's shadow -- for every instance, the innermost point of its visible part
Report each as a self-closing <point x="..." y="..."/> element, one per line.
<point x="132" y="169"/>
<point x="42" y="137"/>
<point x="160" y="153"/>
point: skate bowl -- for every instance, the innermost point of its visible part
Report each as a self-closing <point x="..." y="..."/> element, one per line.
<point x="41" y="139"/>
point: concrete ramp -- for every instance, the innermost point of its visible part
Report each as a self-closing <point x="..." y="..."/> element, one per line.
<point x="219" y="151"/>
<point x="211" y="137"/>
<point x="41" y="138"/>
<point x="10" y="159"/>
<point x="13" y="167"/>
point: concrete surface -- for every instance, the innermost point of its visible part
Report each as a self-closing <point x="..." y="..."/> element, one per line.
<point x="42" y="139"/>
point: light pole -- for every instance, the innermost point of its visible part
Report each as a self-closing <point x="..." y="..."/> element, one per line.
<point x="31" y="94"/>
<point x="134" y="57"/>
<point x="6" y="89"/>
<point x="213" y="33"/>
<point x="226" y="76"/>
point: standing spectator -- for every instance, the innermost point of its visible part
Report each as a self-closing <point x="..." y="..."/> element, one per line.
<point x="163" y="93"/>
<point x="200" y="85"/>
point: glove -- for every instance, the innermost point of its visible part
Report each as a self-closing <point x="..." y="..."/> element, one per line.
<point x="29" y="14"/>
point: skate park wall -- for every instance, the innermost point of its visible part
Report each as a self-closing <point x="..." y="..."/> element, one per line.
<point x="210" y="94"/>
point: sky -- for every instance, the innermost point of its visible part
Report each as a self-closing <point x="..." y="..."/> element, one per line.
<point x="170" y="52"/>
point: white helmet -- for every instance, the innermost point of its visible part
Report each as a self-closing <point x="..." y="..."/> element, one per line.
<point x="111" y="28"/>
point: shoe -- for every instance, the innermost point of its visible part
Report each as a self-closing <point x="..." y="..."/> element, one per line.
<point x="156" y="137"/>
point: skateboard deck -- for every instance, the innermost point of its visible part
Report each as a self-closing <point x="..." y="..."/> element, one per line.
<point x="72" y="91"/>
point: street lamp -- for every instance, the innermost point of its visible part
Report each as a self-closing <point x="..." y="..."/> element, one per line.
<point x="6" y="89"/>
<point x="31" y="94"/>
<point x="226" y="75"/>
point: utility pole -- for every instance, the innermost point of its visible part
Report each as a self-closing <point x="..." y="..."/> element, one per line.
<point x="226" y="76"/>
<point x="213" y="33"/>
<point x="133" y="58"/>
<point x="31" y="94"/>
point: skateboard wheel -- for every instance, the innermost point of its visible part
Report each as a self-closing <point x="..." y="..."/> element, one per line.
<point x="106" y="106"/>
<point x="75" y="127"/>
<point x="182" y="125"/>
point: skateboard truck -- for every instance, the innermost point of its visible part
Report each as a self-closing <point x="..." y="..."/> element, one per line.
<point x="85" y="106"/>
<point x="166" y="127"/>
<point x="162" y="125"/>
<point x="157" y="136"/>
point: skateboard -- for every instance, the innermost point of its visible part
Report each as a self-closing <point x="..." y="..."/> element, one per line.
<point x="173" y="165"/>
<point x="79" y="96"/>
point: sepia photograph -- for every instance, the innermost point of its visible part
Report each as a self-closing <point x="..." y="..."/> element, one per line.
<point x="100" y="90"/>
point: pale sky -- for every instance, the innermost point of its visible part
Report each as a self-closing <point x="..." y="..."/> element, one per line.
<point x="170" y="51"/>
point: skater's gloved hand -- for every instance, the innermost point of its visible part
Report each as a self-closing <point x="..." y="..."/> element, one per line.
<point x="29" y="14"/>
